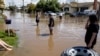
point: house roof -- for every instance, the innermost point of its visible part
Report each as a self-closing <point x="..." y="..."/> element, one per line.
<point x="64" y="5"/>
<point x="75" y="4"/>
<point x="86" y="4"/>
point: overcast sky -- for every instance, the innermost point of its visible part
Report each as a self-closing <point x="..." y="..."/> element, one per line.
<point x="20" y="2"/>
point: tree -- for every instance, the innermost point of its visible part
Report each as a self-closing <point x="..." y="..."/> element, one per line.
<point x="48" y="5"/>
<point x="12" y="8"/>
<point x="41" y="5"/>
<point x="30" y="7"/>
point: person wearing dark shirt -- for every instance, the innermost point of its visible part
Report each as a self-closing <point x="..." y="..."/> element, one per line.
<point x="37" y="18"/>
<point x="51" y="24"/>
<point x="91" y="31"/>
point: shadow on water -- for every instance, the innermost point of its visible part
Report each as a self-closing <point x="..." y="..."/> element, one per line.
<point x="38" y="32"/>
<point x="34" y="25"/>
<point x="45" y="34"/>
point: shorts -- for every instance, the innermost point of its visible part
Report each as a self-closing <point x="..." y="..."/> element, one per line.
<point x="7" y="21"/>
<point x="37" y="21"/>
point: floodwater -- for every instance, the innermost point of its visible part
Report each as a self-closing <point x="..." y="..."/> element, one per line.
<point x="36" y="41"/>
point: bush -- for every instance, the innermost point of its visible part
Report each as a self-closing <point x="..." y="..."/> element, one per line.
<point x="45" y="5"/>
<point x="31" y="8"/>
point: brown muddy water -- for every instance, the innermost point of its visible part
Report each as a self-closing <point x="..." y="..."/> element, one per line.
<point x="36" y="41"/>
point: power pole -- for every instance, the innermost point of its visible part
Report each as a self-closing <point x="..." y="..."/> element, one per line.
<point x="23" y="7"/>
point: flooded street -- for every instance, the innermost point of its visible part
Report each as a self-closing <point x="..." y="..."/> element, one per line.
<point x="36" y="41"/>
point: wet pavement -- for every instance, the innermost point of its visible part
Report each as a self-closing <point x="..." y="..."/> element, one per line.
<point x="36" y="41"/>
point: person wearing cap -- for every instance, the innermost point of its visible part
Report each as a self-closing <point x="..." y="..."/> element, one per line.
<point x="92" y="29"/>
<point x="37" y="18"/>
<point x="51" y="24"/>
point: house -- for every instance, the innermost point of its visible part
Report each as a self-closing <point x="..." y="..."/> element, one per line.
<point x="79" y="7"/>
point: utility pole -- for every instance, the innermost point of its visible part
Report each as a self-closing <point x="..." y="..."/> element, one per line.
<point x="23" y="7"/>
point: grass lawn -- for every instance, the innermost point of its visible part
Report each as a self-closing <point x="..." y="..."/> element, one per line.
<point x="9" y="40"/>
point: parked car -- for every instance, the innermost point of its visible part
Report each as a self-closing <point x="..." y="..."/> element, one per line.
<point x="89" y="12"/>
<point x="50" y="12"/>
<point x="77" y="14"/>
<point x="54" y="15"/>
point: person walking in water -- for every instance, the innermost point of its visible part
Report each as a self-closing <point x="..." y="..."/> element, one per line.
<point x="51" y="24"/>
<point x="92" y="29"/>
<point x="60" y="16"/>
<point x="37" y="18"/>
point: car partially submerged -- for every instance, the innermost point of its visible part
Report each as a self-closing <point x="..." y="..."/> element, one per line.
<point x="76" y="14"/>
<point x="89" y="12"/>
<point x="54" y="15"/>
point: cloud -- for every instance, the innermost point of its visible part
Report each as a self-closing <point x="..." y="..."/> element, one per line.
<point x="85" y="0"/>
<point x="20" y="2"/>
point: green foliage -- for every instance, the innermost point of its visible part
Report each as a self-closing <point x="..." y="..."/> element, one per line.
<point x="12" y="8"/>
<point x="48" y="5"/>
<point x="41" y="5"/>
<point x="2" y="34"/>
<point x="30" y="7"/>
<point x="8" y="39"/>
